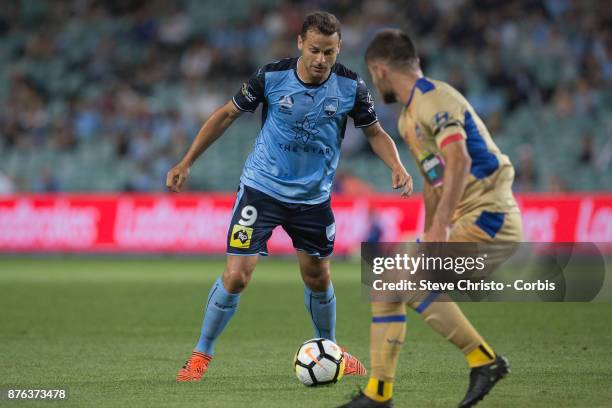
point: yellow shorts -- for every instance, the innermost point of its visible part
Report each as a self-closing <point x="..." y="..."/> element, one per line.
<point x="489" y="227"/>
<point x="482" y="226"/>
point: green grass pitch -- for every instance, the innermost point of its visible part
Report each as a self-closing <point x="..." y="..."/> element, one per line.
<point x="115" y="331"/>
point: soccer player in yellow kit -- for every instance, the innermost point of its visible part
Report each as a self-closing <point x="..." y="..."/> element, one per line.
<point x="468" y="198"/>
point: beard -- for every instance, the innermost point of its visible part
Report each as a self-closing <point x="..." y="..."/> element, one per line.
<point x="389" y="97"/>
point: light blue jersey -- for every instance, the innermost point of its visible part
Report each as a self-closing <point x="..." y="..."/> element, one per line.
<point x="297" y="151"/>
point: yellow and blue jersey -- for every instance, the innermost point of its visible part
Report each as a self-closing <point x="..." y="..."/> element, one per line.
<point x="298" y="148"/>
<point x="436" y="114"/>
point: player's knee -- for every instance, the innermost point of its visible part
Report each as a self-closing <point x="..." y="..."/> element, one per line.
<point x="317" y="281"/>
<point x="235" y="280"/>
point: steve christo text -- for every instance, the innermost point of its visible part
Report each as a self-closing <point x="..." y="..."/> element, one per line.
<point x="464" y="285"/>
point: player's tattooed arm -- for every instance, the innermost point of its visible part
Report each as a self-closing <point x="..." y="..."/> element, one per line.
<point x="385" y="148"/>
<point x="212" y="129"/>
<point x="456" y="173"/>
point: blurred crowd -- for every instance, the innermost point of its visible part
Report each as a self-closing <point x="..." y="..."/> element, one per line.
<point x="143" y="75"/>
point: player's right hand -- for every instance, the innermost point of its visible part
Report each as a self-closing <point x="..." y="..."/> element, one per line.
<point x="176" y="177"/>
<point x="401" y="179"/>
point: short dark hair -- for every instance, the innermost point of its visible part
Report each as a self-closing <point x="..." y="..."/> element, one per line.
<point x="321" y="21"/>
<point x="393" y="47"/>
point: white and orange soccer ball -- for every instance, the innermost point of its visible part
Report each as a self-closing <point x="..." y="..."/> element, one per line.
<point x="318" y="362"/>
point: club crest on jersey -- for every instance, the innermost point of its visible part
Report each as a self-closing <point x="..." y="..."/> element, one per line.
<point x="330" y="105"/>
<point x="286" y="102"/>
<point x="440" y="121"/>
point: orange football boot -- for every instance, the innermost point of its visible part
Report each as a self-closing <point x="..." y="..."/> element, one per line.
<point x="352" y="365"/>
<point x="194" y="368"/>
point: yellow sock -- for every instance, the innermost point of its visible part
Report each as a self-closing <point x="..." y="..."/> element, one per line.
<point x="481" y="355"/>
<point x="446" y="318"/>
<point x="387" y="333"/>
<point x="379" y="390"/>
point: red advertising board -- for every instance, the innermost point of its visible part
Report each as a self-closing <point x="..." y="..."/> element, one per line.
<point x="198" y="223"/>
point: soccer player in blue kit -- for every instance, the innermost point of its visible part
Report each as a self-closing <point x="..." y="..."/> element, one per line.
<point x="287" y="178"/>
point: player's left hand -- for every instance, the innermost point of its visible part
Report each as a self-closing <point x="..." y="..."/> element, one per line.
<point x="401" y="179"/>
<point x="176" y="177"/>
<point x="437" y="233"/>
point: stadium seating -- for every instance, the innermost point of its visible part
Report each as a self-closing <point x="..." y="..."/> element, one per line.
<point x="76" y="67"/>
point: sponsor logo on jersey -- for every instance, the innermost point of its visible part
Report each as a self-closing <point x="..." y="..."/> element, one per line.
<point x="241" y="236"/>
<point x="304" y="130"/>
<point x="369" y="99"/>
<point x="311" y="96"/>
<point x="286" y="147"/>
<point x="433" y="167"/>
<point x="246" y="92"/>
<point x="370" y="102"/>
